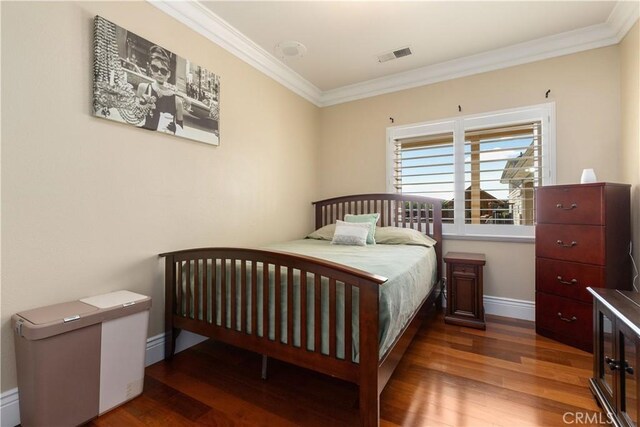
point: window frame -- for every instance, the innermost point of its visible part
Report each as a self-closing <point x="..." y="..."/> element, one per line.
<point x="545" y="113"/>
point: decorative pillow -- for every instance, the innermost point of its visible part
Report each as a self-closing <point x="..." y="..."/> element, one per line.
<point x="368" y="218"/>
<point x="351" y="233"/>
<point x="323" y="233"/>
<point x="402" y="236"/>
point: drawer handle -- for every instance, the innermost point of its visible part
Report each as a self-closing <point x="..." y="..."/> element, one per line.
<point x="564" y="245"/>
<point x="613" y="364"/>
<point x="564" y="319"/>
<point x="564" y="282"/>
<point x="560" y="206"/>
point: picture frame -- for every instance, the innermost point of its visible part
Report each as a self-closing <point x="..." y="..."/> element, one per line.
<point x="140" y="83"/>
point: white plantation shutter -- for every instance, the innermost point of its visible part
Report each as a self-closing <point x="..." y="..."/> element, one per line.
<point x="503" y="165"/>
<point x="492" y="162"/>
<point x="426" y="166"/>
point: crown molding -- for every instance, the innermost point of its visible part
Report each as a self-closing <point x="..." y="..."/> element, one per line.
<point x="544" y="48"/>
<point x="200" y="19"/>
<point x="205" y="22"/>
<point x="623" y="16"/>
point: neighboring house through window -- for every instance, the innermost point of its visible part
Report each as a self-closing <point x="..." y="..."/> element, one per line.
<point x="492" y="161"/>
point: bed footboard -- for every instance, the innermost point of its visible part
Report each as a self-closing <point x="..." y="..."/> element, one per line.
<point x="272" y="303"/>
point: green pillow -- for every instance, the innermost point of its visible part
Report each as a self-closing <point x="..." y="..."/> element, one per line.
<point x="323" y="233"/>
<point x="370" y="218"/>
<point x="402" y="236"/>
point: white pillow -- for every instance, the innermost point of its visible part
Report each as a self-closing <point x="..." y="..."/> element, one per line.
<point x="351" y="233"/>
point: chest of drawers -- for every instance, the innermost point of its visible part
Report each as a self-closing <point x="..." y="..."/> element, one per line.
<point x="582" y="240"/>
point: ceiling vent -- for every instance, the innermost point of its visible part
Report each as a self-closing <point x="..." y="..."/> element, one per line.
<point x="398" y="53"/>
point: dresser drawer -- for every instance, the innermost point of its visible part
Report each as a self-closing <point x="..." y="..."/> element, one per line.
<point x="569" y="205"/>
<point x="565" y="319"/>
<point x="579" y="243"/>
<point x="568" y="279"/>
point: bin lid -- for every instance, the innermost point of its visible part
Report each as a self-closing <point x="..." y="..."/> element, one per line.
<point x="114" y="299"/>
<point x="56" y="312"/>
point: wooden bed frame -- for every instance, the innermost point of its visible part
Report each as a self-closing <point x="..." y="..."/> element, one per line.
<point x="193" y="307"/>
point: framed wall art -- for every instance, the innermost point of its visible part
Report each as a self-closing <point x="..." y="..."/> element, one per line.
<point x="145" y="85"/>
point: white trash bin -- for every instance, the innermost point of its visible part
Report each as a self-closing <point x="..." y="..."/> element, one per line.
<point x="123" y="348"/>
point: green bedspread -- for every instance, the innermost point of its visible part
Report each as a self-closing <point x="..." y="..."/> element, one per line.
<point x="411" y="273"/>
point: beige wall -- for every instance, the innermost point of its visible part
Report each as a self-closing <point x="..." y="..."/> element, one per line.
<point x="630" y="114"/>
<point x="585" y="88"/>
<point x="87" y="204"/>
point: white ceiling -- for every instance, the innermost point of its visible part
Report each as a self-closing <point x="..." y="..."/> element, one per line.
<point x="448" y="38"/>
<point x="343" y="39"/>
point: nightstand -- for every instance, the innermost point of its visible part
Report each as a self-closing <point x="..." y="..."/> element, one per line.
<point x="464" y="289"/>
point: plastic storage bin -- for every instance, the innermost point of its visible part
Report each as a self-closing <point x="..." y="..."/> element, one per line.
<point x="79" y="359"/>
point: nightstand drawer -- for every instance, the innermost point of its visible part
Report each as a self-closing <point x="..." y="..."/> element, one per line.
<point x="464" y="269"/>
<point x="575" y="205"/>
<point x="568" y="279"/>
<point x="566" y="318"/>
<point x="579" y="243"/>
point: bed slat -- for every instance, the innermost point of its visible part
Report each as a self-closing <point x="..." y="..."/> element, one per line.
<point x="223" y="293"/>
<point x="233" y="306"/>
<point x="332" y="318"/>
<point x="214" y="291"/>
<point x="303" y="309"/>
<point x="243" y="297"/>
<point x="348" y="318"/>
<point x="196" y="289"/>
<point x="290" y="340"/>
<point x="254" y="298"/>
<point x="205" y="290"/>
<point x="317" y="330"/>
<point x="265" y="301"/>
<point x="277" y="302"/>
<point x="180" y="280"/>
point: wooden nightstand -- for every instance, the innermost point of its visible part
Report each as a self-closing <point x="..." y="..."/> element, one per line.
<point x="464" y="289"/>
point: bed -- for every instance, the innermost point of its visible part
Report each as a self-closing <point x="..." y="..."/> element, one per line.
<point x="229" y="294"/>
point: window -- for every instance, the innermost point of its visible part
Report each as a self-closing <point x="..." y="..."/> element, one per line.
<point x="425" y="165"/>
<point x="491" y="163"/>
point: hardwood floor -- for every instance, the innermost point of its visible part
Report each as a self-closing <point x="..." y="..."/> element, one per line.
<point x="450" y="376"/>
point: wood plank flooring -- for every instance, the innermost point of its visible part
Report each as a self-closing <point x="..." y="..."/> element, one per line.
<point x="450" y="376"/>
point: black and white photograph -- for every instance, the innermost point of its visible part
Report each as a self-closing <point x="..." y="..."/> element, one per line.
<point x="143" y="84"/>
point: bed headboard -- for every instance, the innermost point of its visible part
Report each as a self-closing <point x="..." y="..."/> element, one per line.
<point x="399" y="210"/>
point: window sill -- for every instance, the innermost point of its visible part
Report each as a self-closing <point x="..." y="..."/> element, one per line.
<point x="490" y="238"/>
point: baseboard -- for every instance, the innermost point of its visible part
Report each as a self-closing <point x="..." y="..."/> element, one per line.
<point x="9" y="408"/>
<point x="155" y="345"/>
<point x="9" y="400"/>
<point x="508" y="307"/>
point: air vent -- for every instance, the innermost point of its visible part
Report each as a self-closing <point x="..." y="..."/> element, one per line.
<point x="398" y="53"/>
<point x="402" y="52"/>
